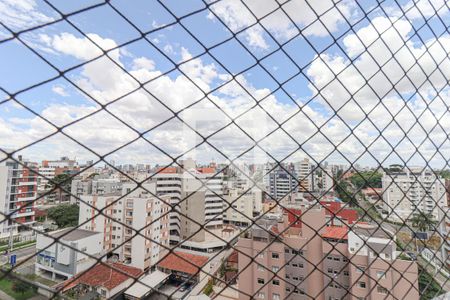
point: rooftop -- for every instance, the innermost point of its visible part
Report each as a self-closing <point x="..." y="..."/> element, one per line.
<point x="71" y="234"/>
<point x="104" y="275"/>
<point x="335" y="232"/>
<point x="183" y="262"/>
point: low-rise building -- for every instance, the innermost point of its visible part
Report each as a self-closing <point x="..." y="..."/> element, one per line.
<point x="183" y="266"/>
<point x="75" y="250"/>
<point x="102" y="281"/>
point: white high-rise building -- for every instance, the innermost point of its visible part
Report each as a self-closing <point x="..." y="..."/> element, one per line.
<point x="412" y="190"/>
<point x="176" y="183"/>
<point x="304" y="172"/>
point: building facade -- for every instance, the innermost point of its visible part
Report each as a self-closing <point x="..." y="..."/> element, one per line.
<point x="18" y="193"/>
<point x="411" y="191"/>
<point x="135" y="227"/>
<point x="75" y="251"/>
<point x="317" y="262"/>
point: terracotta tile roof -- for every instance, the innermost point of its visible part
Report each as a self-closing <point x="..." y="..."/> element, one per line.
<point x="335" y="232"/>
<point x="167" y="170"/>
<point x="104" y="276"/>
<point x="189" y="263"/>
<point x="207" y="170"/>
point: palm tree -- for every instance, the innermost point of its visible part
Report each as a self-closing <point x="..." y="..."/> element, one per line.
<point x="422" y="221"/>
<point x="61" y="183"/>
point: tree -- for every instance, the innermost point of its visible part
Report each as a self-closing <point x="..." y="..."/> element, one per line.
<point x="362" y="180"/>
<point x="21" y="287"/>
<point x="62" y="183"/>
<point x="64" y="215"/>
<point x="422" y="221"/>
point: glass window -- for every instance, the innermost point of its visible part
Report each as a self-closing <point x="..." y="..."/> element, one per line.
<point x="275" y="255"/>
<point x="275" y="296"/>
<point x="362" y="284"/>
<point x="275" y="282"/>
<point x="260" y="281"/>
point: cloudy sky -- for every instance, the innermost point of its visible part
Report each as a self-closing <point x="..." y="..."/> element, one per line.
<point x="259" y="80"/>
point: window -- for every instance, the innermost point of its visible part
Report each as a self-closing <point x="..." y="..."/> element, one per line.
<point x="381" y="274"/>
<point x="260" y="267"/>
<point x="286" y="250"/>
<point x="260" y="281"/>
<point x="362" y="284"/>
<point x="300" y="265"/>
<point x="288" y="289"/>
<point x="287" y="276"/>
<point x="275" y="255"/>
<point x="330" y="270"/>
<point x="275" y="282"/>
<point x="261" y="295"/>
<point x="345" y="273"/>
<point x="360" y="269"/>
<point x="261" y="255"/>
<point x="294" y="265"/>
<point x="275" y="269"/>
<point x="275" y="296"/>
<point x="336" y="258"/>
<point x="382" y="290"/>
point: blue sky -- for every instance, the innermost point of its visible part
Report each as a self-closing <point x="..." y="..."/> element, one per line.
<point x="235" y="66"/>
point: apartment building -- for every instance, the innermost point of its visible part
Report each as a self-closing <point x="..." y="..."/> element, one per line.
<point x="48" y="169"/>
<point x="304" y="172"/>
<point x="177" y="183"/>
<point x="75" y="251"/>
<point x="282" y="181"/>
<point x="94" y="185"/>
<point x="135" y="227"/>
<point x="18" y="191"/>
<point x="412" y="190"/>
<point x="242" y="205"/>
<point x="295" y="261"/>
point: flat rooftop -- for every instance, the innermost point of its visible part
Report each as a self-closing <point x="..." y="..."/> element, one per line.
<point x="71" y="234"/>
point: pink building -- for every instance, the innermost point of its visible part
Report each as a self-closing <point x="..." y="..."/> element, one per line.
<point x="316" y="261"/>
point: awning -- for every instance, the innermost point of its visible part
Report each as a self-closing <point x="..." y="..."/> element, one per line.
<point x="143" y="287"/>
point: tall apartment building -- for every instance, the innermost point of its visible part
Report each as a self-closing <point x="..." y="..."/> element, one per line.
<point x="18" y="191"/>
<point x="322" y="262"/>
<point x="177" y="183"/>
<point x="412" y="190"/>
<point x="304" y="172"/>
<point x="282" y="181"/>
<point x="130" y="224"/>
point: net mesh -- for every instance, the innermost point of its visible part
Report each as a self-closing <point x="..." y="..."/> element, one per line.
<point x="373" y="83"/>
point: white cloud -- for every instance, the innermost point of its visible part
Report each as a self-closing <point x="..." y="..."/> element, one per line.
<point x="22" y="14"/>
<point x="143" y="63"/>
<point x="60" y="90"/>
<point x="143" y="110"/>
<point x="237" y="17"/>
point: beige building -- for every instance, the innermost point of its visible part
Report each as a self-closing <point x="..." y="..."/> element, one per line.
<point x="129" y="225"/>
<point x="242" y="206"/>
<point x="293" y="262"/>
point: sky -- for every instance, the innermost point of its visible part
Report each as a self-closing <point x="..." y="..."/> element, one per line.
<point x="249" y="81"/>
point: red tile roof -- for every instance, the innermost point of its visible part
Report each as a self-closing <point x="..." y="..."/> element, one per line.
<point x="206" y="170"/>
<point x="183" y="262"/>
<point x="335" y="232"/>
<point x="166" y="170"/>
<point x="104" y="276"/>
